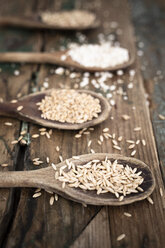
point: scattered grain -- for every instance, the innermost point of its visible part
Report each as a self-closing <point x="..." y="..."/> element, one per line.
<point x="136" y="129"/>
<point x="57" y="148"/>
<point x="89" y="143"/>
<point x="19" y="108"/>
<point x="131" y="146"/>
<point x="34" y="136"/>
<point x="8" y="124"/>
<point x="117" y="147"/>
<point x="37" y="195"/>
<point x="120" y="138"/>
<point x="20" y="138"/>
<point x="161" y="117"/>
<point x="56" y="197"/>
<point x="127" y="214"/>
<point x="54" y="166"/>
<point x="14" y="142"/>
<point x="51" y="201"/>
<point x="143" y="142"/>
<point x="161" y="192"/>
<point x="133" y="153"/>
<point x="105" y="130"/>
<point x="130" y="141"/>
<point x="47" y="160"/>
<point x="150" y="200"/>
<point x="120" y="237"/>
<point x="77" y="136"/>
<point x="125" y="117"/>
<point x="61" y="158"/>
<point x="4" y="165"/>
<point x="47" y="135"/>
<point x="92" y="151"/>
<point x="101" y="138"/>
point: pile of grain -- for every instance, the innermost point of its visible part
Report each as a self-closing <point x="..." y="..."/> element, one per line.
<point x="102" y="176"/>
<point x="73" y="18"/>
<point x="69" y="106"/>
<point x="101" y="56"/>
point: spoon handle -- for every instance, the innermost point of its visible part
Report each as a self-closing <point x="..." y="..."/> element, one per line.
<point x="29" y="57"/>
<point x="32" y="178"/>
<point x="8" y="110"/>
<point x="13" y="21"/>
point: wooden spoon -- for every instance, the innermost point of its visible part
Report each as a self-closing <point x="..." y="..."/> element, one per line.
<point x="55" y="58"/>
<point x="36" y="22"/>
<point x="31" y="113"/>
<point x="45" y="179"/>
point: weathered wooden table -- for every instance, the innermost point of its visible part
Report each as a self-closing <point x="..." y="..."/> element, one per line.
<point x="28" y="222"/>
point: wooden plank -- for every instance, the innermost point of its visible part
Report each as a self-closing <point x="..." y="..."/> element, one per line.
<point x="53" y="218"/>
<point x="42" y="225"/>
<point x="153" y="62"/>
<point x="11" y="87"/>
<point x="93" y="233"/>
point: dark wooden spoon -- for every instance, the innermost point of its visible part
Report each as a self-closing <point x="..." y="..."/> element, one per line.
<point x="36" y="22"/>
<point x="31" y="113"/>
<point x="45" y="179"/>
<point x="55" y="58"/>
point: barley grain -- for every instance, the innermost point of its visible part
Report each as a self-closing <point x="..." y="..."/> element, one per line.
<point x="143" y="142"/>
<point x="56" y="197"/>
<point x="8" y="124"/>
<point x="136" y="129"/>
<point x="14" y="142"/>
<point x="47" y="160"/>
<point x="117" y="147"/>
<point x="130" y="141"/>
<point x="150" y="200"/>
<point x="105" y="130"/>
<point x="51" y="201"/>
<point x="57" y="148"/>
<point x="161" y="117"/>
<point x="120" y="138"/>
<point x="34" y="136"/>
<point x="19" y="108"/>
<point x="127" y="214"/>
<point x="37" y="195"/>
<point x="120" y="237"/>
<point x="125" y="117"/>
<point x="133" y="153"/>
<point x="131" y="146"/>
<point x="161" y="192"/>
<point x="54" y="166"/>
<point x="4" y="165"/>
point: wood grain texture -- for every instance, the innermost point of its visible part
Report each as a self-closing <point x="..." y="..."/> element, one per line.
<point x="60" y="225"/>
<point x="12" y="86"/>
<point x="150" y="30"/>
<point x="93" y="233"/>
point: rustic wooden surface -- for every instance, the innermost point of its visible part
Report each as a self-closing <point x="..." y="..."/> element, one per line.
<point x="28" y="222"/>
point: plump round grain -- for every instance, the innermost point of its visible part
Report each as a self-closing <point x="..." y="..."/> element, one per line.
<point x="69" y="106"/>
<point x="68" y="18"/>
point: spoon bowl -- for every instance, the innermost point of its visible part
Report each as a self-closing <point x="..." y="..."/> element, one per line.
<point x="36" y="22"/>
<point x="31" y="113"/>
<point x="45" y="179"/>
